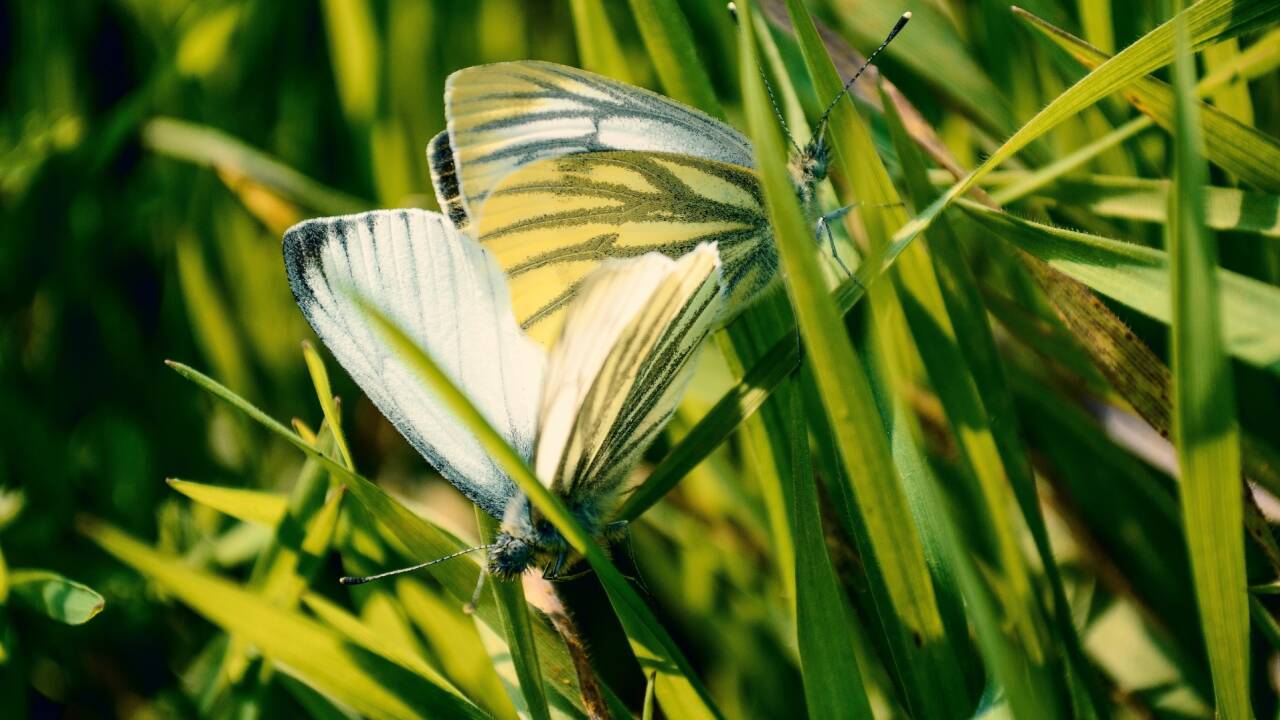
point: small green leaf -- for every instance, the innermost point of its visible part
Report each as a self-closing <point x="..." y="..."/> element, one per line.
<point x="54" y="596"/>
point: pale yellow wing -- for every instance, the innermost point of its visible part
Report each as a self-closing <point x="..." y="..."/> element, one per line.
<point x="554" y="221"/>
<point x="616" y="374"/>
<point x="506" y="115"/>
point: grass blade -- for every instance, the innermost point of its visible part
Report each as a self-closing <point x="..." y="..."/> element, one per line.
<point x="253" y="506"/>
<point x="669" y="40"/>
<point x="845" y="389"/>
<point x="514" y="614"/>
<point x="598" y="46"/>
<point x="418" y="537"/>
<point x="832" y="682"/>
<point x="1239" y="149"/>
<point x="1138" y="277"/>
<point x="1204" y="420"/>
<point x="208" y="147"/>
<point x="351" y="674"/>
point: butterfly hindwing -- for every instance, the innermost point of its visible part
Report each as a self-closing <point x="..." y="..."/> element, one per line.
<point x="552" y="222"/>
<point x="446" y="292"/>
<point x="618" y="370"/>
<point x="506" y="115"/>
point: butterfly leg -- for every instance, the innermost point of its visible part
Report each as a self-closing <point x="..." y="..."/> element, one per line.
<point x="552" y="572"/>
<point x="824" y="227"/>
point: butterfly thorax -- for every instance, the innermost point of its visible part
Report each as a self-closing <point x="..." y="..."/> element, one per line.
<point x="808" y="168"/>
<point x="528" y="540"/>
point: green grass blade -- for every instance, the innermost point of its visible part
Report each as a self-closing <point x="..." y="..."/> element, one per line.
<point x="320" y="379"/>
<point x="208" y="147"/>
<point x="598" y="47"/>
<point x="1137" y="276"/>
<point x="669" y="40"/>
<point x="514" y="614"/>
<point x="1147" y="200"/>
<point x="54" y="596"/>
<point x="1239" y="149"/>
<point x="678" y="688"/>
<point x="353" y="51"/>
<point x="361" y="679"/>
<point x="418" y="537"/>
<point x="1204" y="419"/>
<point x="959" y="351"/>
<point x="832" y="682"/>
<point x="1208" y="21"/>
<point x="253" y="506"/>
<point x="845" y="389"/>
<point x="369" y="638"/>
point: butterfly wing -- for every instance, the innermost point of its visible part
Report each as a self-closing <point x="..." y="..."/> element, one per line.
<point x="617" y="372"/>
<point x="506" y="115"/>
<point x="552" y="222"/>
<point x="447" y="293"/>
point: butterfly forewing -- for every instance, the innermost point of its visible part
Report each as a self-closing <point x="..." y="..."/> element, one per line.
<point x="618" y="370"/>
<point x="507" y="115"/>
<point x="552" y="222"/>
<point x="446" y="292"/>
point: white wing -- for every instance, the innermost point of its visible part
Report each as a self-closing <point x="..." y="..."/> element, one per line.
<point x="506" y="115"/>
<point x="620" y="366"/>
<point x="444" y="290"/>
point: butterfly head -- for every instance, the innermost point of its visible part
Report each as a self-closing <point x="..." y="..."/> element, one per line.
<point x="526" y="540"/>
<point x="809" y="167"/>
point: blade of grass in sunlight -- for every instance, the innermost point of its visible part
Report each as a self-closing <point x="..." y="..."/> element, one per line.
<point x="1239" y="149"/>
<point x="208" y="147"/>
<point x="598" y="46"/>
<point x="1204" y="417"/>
<point x="845" y="390"/>
<point x="364" y="680"/>
<point x="669" y="40"/>
<point x="1138" y="277"/>
<point x="255" y="506"/>
<point x="353" y="50"/>
<point x="514" y="613"/>
<point x="417" y="536"/>
<point x="1208" y="21"/>
<point x="320" y="379"/>
<point x="832" y="681"/>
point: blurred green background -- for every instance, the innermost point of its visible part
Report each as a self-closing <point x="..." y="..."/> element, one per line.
<point x="120" y="247"/>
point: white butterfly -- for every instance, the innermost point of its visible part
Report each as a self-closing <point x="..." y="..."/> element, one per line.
<point x="582" y="412"/>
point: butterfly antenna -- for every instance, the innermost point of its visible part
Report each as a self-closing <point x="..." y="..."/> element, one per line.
<point x="897" y="28"/>
<point x="733" y="13"/>
<point x="401" y="571"/>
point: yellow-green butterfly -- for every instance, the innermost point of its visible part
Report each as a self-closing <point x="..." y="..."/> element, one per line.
<point x="555" y="169"/>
